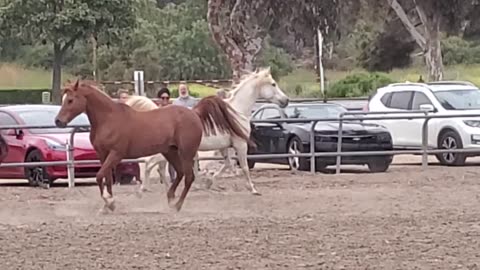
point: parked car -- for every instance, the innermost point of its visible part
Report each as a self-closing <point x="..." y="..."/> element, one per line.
<point x="284" y="137"/>
<point x="33" y="145"/>
<point x="437" y="98"/>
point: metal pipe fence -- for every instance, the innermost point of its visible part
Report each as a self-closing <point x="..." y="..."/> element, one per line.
<point x="70" y="162"/>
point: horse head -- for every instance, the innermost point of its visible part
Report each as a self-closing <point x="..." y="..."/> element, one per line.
<point x="74" y="103"/>
<point x="268" y="88"/>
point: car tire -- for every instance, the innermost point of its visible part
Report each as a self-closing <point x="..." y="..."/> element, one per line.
<point x="451" y="140"/>
<point x="37" y="176"/>
<point x="378" y="165"/>
<point x="296" y="163"/>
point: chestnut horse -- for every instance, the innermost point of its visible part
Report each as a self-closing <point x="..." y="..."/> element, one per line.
<point x="118" y="132"/>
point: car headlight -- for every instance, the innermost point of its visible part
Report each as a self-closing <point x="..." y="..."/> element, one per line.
<point x="472" y="123"/>
<point x="55" y="145"/>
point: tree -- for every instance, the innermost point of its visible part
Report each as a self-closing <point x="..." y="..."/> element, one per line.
<point x="424" y="20"/>
<point x="63" y="22"/>
<point x="239" y="27"/>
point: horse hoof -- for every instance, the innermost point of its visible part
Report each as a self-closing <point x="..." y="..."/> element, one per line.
<point x="102" y="211"/>
<point x="178" y="206"/>
<point x="256" y="193"/>
<point x="208" y="183"/>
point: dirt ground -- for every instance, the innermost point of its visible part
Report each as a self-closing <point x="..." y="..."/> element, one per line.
<point x="403" y="219"/>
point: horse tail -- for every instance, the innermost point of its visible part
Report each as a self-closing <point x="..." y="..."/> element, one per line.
<point x="215" y="112"/>
<point x="3" y="148"/>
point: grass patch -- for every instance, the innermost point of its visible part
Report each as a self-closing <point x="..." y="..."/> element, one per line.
<point x="300" y="82"/>
<point x="14" y="76"/>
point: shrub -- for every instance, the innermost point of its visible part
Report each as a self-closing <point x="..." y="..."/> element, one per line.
<point x="456" y="50"/>
<point x="359" y="84"/>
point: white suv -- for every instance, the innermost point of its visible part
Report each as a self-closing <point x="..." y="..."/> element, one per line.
<point x="438" y="98"/>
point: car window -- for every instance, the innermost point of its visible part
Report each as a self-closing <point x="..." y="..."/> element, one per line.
<point x="258" y="115"/>
<point x="386" y="99"/>
<point x="400" y="100"/>
<point x="419" y="98"/>
<point x="271" y="114"/>
<point x="6" y="120"/>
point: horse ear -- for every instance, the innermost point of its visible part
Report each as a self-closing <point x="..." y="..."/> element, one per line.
<point x="268" y="70"/>
<point x="75" y="87"/>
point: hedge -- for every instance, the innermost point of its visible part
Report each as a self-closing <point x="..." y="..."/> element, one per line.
<point x="22" y="96"/>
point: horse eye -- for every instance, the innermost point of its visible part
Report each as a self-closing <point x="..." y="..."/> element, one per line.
<point x="274" y="84"/>
<point x="70" y="101"/>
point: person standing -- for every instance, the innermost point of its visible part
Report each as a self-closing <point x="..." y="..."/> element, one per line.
<point x="184" y="99"/>
<point x="164" y="95"/>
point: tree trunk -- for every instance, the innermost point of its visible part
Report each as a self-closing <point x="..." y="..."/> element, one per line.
<point x="433" y="49"/>
<point x="240" y="41"/>
<point x="57" y="73"/>
<point x="429" y="42"/>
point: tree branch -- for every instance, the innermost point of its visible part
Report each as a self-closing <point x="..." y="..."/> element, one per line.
<point x="421" y="41"/>
<point x="70" y="43"/>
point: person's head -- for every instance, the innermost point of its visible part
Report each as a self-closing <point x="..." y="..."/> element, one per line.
<point x="164" y="96"/>
<point x="183" y="90"/>
<point x="123" y="95"/>
<point x="222" y="93"/>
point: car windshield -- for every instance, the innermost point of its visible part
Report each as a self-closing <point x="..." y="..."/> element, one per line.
<point x="468" y="99"/>
<point x="316" y="111"/>
<point x="47" y="118"/>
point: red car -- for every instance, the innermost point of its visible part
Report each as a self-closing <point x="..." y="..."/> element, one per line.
<point x="29" y="145"/>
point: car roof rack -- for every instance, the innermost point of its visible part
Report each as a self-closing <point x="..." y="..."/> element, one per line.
<point x="451" y="82"/>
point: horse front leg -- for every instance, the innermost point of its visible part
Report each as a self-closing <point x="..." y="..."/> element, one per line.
<point x="242" y="148"/>
<point x="105" y="172"/>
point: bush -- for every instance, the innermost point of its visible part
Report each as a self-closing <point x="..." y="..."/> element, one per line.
<point x="357" y="85"/>
<point x="19" y="96"/>
<point x="456" y="50"/>
<point x="277" y="59"/>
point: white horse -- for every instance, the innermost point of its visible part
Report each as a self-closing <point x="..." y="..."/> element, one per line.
<point x="254" y="86"/>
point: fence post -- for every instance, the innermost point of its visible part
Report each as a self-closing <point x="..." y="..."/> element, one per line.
<point x="312" y="147"/>
<point x="339" y="144"/>
<point x="70" y="166"/>
<point x="71" y="159"/>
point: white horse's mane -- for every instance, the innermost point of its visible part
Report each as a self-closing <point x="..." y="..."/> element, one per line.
<point x="259" y="74"/>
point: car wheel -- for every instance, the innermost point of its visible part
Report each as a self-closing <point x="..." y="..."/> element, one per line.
<point x="379" y="165"/>
<point x="295" y="146"/>
<point x="451" y="140"/>
<point x="37" y="176"/>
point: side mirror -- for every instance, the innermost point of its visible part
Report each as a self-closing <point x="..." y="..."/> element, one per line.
<point x="11" y="132"/>
<point x="427" y="107"/>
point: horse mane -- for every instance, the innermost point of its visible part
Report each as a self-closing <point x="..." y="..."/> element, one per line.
<point x="247" y="77"/>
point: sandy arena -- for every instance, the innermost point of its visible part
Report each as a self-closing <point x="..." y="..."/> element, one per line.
<point x="404" y="219"/>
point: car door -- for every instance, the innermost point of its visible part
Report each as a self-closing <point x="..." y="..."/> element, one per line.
<point x="399" y="128"/>
<point x="269" y="135"/>
<point x="15" y="147"/>
<point x="416" y="125"/>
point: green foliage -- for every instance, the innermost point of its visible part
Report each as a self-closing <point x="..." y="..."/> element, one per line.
<point x="359" y="84"/>
<point x="456" y="50"/>
<point x="279" y="61"/>
<point x="168" y="43"/>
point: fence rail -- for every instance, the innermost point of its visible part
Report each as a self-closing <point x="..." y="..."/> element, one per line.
<point x="312" y="154"/>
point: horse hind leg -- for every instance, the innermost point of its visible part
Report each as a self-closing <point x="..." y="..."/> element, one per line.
<point x="173" y="158"/>
<point x="189" y="178"/>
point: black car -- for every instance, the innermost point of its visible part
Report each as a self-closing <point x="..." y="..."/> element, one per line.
<point x="278" y="138"/>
